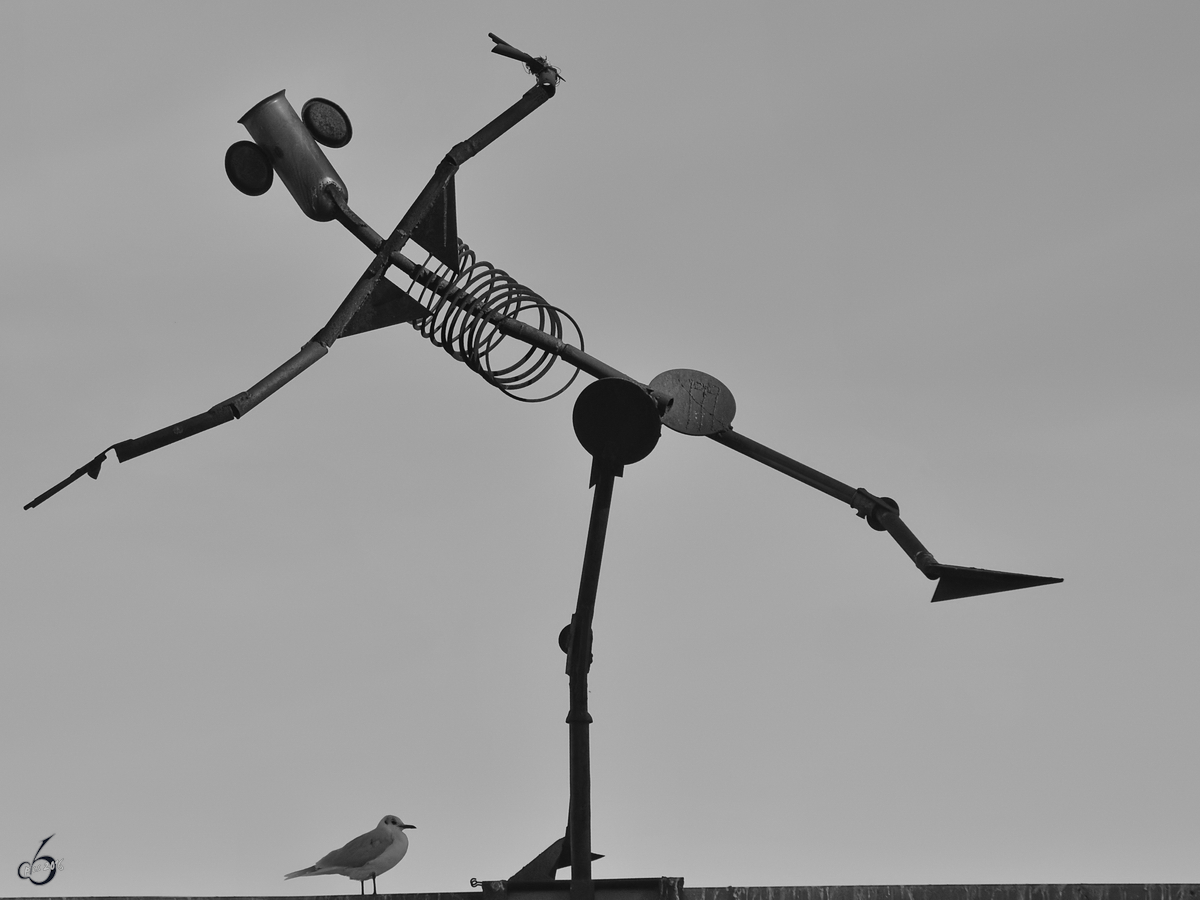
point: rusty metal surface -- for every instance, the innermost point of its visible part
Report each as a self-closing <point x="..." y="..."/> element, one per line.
<point x="700" y="404"/>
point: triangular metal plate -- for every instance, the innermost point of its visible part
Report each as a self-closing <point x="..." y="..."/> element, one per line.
<point x="437" y="232"/>
<point x="964" y="581"/>
<point x="387" y="305"/>
<point x="542" y="868"/>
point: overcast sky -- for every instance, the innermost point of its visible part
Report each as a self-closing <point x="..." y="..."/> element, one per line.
<point x="945" y="252"/>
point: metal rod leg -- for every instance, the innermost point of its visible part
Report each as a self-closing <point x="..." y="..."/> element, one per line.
<point x="578" y="662"/>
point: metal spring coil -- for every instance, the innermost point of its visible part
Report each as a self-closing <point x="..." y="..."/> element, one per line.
<point x="465" y="329"/>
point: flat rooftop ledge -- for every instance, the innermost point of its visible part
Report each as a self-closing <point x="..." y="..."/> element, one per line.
<point x="828" y="892"/>
<point x="952" y="892"/>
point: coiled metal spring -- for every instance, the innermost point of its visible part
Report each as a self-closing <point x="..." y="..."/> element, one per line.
<point x="464" y="312"/>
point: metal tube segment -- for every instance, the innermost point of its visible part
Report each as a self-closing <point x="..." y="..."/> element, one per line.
<point x="302" y="165"/>
<point x="246" y="401"/>
<point x="218" y="415"/>
<point x="879" y="513"/>
<point x="233" y="408"/>
<point x="530" y="100"/>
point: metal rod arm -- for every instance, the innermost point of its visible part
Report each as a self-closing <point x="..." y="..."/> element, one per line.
<point x="530" y="100"/>
<point x="227" y="410"/>
<point x="233" y="408"/>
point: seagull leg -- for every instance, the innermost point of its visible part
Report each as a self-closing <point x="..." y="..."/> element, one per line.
<point x="373" y="890"/>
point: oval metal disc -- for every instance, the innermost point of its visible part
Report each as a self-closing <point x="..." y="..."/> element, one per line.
<point x="700" y="403"/>
<point x="249" y="168"/>
<point x="326" y="122"/>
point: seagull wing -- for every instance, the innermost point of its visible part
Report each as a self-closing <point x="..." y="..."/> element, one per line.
<point x="360" y="851"/>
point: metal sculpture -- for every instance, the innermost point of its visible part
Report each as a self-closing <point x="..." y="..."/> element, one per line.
<point x="470" y="308"/>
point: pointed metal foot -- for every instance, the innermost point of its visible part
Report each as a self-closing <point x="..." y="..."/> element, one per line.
<point x="964" y="581"/>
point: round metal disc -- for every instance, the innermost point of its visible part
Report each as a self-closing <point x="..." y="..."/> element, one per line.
<point x="616" y="421"/>
<point x="326" y="122"/>
<point x="249" y="168"/>
<point x="700" y="405"/>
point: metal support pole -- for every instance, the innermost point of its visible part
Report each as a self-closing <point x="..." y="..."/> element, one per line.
<point x="618" y="424"/>
<point x="579" y="660"/>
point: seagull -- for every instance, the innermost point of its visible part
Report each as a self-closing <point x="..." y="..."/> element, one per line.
<point x="366" y="856"/>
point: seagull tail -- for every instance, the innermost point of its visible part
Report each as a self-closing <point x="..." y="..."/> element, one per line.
<point x="311" y="870"/>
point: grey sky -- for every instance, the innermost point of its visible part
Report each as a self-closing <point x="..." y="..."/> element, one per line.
<point x="941" y="251"/>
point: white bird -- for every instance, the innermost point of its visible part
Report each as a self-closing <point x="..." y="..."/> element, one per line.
<point x="366" y="856"/>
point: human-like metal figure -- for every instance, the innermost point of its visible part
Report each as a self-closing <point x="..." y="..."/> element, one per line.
<point x="471" y="308"/>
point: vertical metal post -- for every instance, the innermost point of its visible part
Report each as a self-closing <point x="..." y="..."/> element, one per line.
<point x="618" y="423"/>
<point x="579" y="660"/>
